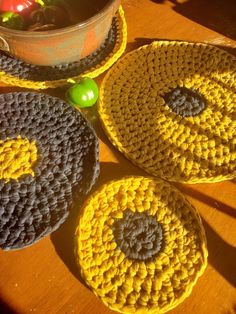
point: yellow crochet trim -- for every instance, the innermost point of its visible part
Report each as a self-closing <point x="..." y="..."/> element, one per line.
<point x="130" y="286"/>
<point x="140" y="124"/>
<point x="93" y="72"/>
<point x="17" y="157"/>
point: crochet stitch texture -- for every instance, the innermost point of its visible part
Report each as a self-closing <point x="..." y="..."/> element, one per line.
<point x="131" y="285"/>
<point x="17" y="157"/>
<point x="139" y="122"/>
<point x="48" y="157"/>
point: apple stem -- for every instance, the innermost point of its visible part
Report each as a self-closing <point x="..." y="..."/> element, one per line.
<point x="70" y="80"/>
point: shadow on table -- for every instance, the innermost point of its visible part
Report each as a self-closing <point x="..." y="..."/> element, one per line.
<point x="230" y="311"/>
<point x="217" y="205"/>
<point x="218" y="15"/>
<point x="222" y="257"/>
<point x="63" y="239"/>
<point x="6" y="309"/>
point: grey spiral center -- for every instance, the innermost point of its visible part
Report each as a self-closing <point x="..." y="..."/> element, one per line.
<point x="185" y="101"/>
<point x="138" y="235"/>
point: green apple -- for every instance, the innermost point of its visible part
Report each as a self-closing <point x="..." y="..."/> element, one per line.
<point x="83" y="93"/>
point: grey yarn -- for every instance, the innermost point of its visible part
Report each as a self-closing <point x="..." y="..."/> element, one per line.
<point x="138" y="235"/>
<point x="185" y="102"/>
<point x="67" y="165"/>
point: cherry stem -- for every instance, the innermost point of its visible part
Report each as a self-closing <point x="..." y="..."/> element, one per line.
<point x="40" y="2"/>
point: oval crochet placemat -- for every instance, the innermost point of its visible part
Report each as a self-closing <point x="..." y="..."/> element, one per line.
<point x="170" y="107"/>
<point x="48" y="157"/>
<point x="140" y="245"/>
<point x="18" y="73"/>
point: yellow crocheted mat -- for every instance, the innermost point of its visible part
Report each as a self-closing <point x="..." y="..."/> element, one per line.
<point x="106" y="63"/>
<point x="170" y="107"/>
<point x="140" y="245"/>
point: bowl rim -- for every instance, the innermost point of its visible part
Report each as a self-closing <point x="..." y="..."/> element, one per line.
<point x="19" y="33"/>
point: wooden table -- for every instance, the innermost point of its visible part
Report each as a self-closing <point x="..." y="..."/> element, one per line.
<point x="44" y="279"/>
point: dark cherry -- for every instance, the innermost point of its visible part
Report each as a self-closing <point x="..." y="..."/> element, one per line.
<point x="55" y="15"/>
<point x="37" y="16"/>
<point x="48" y="17"/>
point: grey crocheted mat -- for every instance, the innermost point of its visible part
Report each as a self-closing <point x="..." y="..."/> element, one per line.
<point x="22" y="70"/>
<point x="67" y="166"/>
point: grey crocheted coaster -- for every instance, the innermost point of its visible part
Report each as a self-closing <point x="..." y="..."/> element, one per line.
<point x="67" y="165"/>
<point x="23" y="70"/>
<point x="186" y="102"/>
<point x="138" y="235"/>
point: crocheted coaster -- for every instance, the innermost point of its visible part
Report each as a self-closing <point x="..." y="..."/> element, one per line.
<point x="140" y="245"/>
<point x="48" y="155"/>
<point x="170" y="107"/>
<point x="19" y="73"/>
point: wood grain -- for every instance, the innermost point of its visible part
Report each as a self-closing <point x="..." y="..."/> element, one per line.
<point x="43" y="278"/>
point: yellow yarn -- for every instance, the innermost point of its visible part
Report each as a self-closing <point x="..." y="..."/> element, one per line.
<point x="17" y="157"/>
<point x="92" y="73"/>
<point x="130" y="286"/>
<point x="141" y="125"/>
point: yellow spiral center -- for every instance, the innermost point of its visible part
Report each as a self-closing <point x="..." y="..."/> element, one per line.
<point x="17" y="157"/>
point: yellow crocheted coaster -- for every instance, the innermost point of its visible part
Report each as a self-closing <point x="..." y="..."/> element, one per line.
<point x="106" y="63"/>
<point x="170" y="108"/>
<point x="140" y="245"/>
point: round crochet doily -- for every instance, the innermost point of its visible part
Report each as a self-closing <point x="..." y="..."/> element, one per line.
<point x="170" y="107"/>
<point x="140" y="245"/>
<point x="18" y="73"/>
<point x="48" y="157"/>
